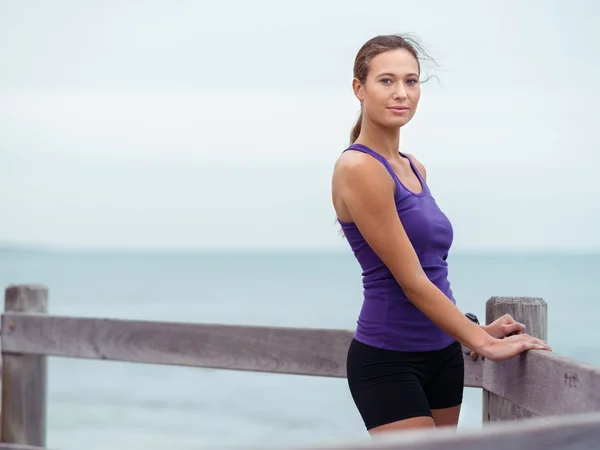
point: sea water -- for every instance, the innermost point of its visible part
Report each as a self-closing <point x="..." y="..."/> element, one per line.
<point x="117" y="405"/>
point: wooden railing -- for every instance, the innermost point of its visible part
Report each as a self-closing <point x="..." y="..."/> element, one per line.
<point x="560" y="396"/>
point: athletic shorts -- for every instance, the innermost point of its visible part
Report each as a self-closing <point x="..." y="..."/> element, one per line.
<point x="388" y="385"/>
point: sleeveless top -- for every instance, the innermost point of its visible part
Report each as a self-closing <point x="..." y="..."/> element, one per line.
<point x="388" y="319"/>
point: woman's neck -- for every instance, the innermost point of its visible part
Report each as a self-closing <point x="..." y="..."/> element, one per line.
<point x="384" y="141"/>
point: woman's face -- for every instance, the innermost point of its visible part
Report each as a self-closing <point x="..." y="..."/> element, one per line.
<point x="391" y="92"/>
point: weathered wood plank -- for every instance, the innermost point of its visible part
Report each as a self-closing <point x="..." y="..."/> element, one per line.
<point x="5" y="446"/>
<point x="532" y="312"/>
<point x="473" y="369"/>
<point x="23" y="413"/>
<point x="545" y="383"/>
<point x="305" y="351"/>
<point x="281" y="350"/>
<point x="497" y="408"/>
<point x="580" y="432"/>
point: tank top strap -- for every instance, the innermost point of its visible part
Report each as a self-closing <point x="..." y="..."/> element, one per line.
<point x="415" y="170"/>
<point x="377" y="156"/>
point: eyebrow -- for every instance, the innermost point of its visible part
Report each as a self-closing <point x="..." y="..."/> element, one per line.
<point x="389" y="74"/>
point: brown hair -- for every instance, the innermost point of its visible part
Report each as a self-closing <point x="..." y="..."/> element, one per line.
<point x="374" y="47"/>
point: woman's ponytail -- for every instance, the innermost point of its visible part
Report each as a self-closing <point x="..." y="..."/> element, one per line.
<point x="356" y="130"/>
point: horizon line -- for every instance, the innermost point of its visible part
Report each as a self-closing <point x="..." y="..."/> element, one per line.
<point x="253" y="250"/>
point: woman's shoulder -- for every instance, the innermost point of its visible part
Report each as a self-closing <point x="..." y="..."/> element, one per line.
<point x="353" y="162"/>
<point x="357" y="169"/>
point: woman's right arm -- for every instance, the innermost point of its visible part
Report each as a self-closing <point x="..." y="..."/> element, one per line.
<point x="368" y="197"/>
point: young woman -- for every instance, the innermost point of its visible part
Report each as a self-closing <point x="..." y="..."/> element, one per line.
<point x="405" y="366"/>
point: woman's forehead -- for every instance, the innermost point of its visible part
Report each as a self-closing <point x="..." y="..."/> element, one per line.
<point x="398" y="62"/>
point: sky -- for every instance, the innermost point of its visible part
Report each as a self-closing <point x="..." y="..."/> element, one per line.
<point x="215" y="125"/>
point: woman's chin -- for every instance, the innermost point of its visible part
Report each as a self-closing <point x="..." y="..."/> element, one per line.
<point x="396" y="122"/>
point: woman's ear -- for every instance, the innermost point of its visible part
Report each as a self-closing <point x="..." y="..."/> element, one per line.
<point x="358" y="89"/>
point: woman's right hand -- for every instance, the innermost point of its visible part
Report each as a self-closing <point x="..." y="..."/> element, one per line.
<point x="503" y="349"/>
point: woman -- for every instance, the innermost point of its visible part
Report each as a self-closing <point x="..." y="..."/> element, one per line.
<point x="405" y="366"/>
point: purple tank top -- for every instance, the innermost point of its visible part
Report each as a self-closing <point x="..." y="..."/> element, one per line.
<point x="388" y="319"/>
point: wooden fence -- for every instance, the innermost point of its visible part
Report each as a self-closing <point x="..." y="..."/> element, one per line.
<point x="559" y="397"/>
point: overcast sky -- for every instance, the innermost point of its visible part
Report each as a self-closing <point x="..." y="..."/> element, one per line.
<point x="216" y="124"/>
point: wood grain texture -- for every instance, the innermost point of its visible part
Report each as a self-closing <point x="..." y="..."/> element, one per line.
<point x="304" y="351"/>
<point x="281" y="350"/>
<point x="532" y="312"/>
<point x="498" y="408"/>
<point x="473" y="370"/>
<point x="24" y="381"/>
<point x="545" y="383"/>
<point x="5" y="446"/>
<point x="581" y="432"/>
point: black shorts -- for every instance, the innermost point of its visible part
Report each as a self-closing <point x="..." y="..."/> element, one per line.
<point x="388" y="385"/>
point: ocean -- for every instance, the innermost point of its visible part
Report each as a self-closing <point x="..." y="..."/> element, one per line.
<point x="100" y="404"/>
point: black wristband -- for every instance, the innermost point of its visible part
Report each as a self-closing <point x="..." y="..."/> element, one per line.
<point x="472" y="317"/>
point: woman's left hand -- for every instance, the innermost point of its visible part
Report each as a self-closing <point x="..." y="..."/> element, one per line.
<point x="504" y="326"/>
<point x="501" y="328"/>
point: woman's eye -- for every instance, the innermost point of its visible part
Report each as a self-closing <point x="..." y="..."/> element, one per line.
<point x="412" y="81"/>
<point x="386" y="80"/>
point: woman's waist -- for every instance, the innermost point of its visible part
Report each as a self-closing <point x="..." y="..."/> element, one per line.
<point x="386" y="285"/>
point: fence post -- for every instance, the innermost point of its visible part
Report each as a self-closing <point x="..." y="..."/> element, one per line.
<point x="24" y="376"/>
<point x="533" y="313"/>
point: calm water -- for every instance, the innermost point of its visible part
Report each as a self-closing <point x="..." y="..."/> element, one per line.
<point x="99" y="404"/>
